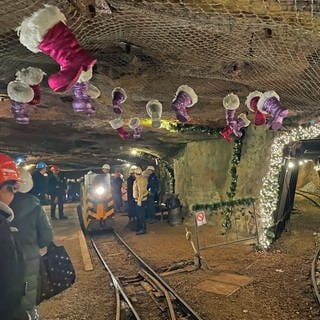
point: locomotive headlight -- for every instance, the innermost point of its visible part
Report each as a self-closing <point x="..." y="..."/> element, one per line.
<point x="100" y="191"/>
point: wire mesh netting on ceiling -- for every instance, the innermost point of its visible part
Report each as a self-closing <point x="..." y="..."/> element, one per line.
<point x="260" y="44"/>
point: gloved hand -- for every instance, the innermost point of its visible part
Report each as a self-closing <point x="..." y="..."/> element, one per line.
<point x="139" y="203"/>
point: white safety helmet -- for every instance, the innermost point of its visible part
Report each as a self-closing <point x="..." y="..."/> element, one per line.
<point x="132" y="169"/>
<point x="138" y="170"/>
<point x="150" y="168"/>
<point x="106" y="167"/>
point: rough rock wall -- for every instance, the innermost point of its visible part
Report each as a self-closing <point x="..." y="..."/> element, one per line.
<point x="202" y="169"/>
<point x="307" y="175"/>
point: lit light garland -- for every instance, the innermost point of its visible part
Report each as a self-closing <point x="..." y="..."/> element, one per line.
<point x="269" y="193"/>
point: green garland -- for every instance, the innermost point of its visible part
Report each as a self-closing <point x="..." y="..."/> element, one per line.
<point x="218" y="205"/>
<point x="186" y="127"/>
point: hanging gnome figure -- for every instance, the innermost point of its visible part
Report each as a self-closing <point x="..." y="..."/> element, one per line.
<point x="269" y="103"/>
<point x="154" y="111"/>
<point x="251" y="103"/>
<point x="117" y="124"/>
<point x="20" y="94"/>
<point x="119" y="96"/>
<point x="83" y="92"/>
<point x="33" y="77"/>
<point x="46" y="31"/>
<point x="134" y="124"/>
<point x="185" y="98"/>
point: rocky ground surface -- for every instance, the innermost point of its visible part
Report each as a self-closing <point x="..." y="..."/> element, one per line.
<point x="279" y="286"/>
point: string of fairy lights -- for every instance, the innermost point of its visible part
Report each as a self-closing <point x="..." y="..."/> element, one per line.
<point x="269" y="194"/>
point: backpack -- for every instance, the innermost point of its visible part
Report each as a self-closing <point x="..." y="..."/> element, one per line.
<point x="12" y="269"/>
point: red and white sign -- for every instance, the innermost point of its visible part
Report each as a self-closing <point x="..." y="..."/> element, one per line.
<point x="201" y="218"/>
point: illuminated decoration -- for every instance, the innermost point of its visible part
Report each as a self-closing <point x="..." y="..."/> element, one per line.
<point x="269" y="193"/>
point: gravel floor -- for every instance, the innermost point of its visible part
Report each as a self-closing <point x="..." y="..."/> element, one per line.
<point x="280" y="290"/>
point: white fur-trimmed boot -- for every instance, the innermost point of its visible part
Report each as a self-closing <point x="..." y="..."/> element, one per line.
<point x="20" y="94"/>
<point x="154" y="111"/>
<point x="46" y="31"/>
<point x="242" y="122"/>
<point x="33" y="77"/>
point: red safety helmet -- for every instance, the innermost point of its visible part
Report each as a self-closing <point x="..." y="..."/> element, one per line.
<point x="8" y="169"/>
<point x="54" y="168"/>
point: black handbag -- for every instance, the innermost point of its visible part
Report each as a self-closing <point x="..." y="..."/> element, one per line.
<point x="56" y="272"/>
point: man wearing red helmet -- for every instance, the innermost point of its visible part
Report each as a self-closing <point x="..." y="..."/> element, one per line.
<point x="11" y="264"/>
<point x="57" y="190"/>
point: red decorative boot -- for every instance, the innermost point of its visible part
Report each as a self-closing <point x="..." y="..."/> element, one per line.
<point x="251" y="103"/>
<point x="118" y="124"/>
<point x="45" y="31"/>
<point x="226" y="133"/>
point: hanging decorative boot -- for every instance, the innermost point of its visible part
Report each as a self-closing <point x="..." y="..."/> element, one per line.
<point x="269" y="103"/>
<point x="45" y="30"/>
<point x="33" y="77"/>
<point x="231" y="103"/>
<point x="154" y="111"/>
<point x="20" y="93"/>
<point x="251" y="103"/>
<point x="119" y="96"/>
<point x="185" y="98"/>
<point x="81" y="99"/>
<point x="93" y="92"/>
<point x="242" y="122"/>
<point x="118" y="124"/>
<point x="134" y="124"/>
<point x="226" y="133"/>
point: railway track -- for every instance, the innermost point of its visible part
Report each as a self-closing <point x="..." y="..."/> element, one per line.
<point x="140" y="292"/>
<point x="315" y="275"/>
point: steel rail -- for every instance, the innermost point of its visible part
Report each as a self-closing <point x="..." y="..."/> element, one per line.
<point x="186" y="307"/>
<point x="313" y="275"/>
<point x="115" y="280"/>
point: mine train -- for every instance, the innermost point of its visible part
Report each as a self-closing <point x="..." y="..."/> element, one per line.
<point x="95" y="211"/>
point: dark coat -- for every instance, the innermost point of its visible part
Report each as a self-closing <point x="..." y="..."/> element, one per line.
<point x="153" y="184"/>
<point x="34" y="232"/>
<point x="130" y="182"/>
<point x="40" y="184"/>
<point x="56" y="184"/>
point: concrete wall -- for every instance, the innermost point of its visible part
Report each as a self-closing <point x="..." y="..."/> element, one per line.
<point x="202" y="169"/>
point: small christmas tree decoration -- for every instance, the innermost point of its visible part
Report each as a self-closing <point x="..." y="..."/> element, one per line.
<point x="46" y="31"/>
<point x="118" y="124"/>
<point x="269" y="103"/>
<point x="134" y="124"/>
<point x="185" y="98"/>
<point x="119" y="96"/>
<point x="154" y="111"/>
<point x="20" y="94"/>
<point x="251" y="103"/>
<point x="33" y="77"/>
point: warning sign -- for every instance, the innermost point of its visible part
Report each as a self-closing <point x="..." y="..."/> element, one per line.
<point x="201" y="218"/>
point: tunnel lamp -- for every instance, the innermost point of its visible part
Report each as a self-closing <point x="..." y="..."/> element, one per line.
<point x="291" y="164"/>
<point x="134" y="152"/>
<point x="28" y="166"/>
<point x="301" y="162"/>
<point x="127" y="165"/>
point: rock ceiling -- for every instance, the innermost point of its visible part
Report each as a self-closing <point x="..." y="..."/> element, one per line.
<point x="150" y="48"/>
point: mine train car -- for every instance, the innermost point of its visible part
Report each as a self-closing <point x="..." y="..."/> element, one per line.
<point x="95" y="211"/>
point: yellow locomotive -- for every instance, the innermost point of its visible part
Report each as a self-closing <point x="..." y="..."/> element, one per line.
<point x="96" y="210"/>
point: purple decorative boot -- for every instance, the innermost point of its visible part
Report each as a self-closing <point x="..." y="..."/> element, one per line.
<point x="231" y="103"/>
<point x="134" y="124"/>
<point x="20" y="93"/>
<point x="19" y="112"/>
<point x="81" y="99"/>
<point x="242" y="122"/>
<point x="185" y="98"/>
<point x="118" y="124"/>
<point x="269" y="103"/>
<point x="119" y="96"/>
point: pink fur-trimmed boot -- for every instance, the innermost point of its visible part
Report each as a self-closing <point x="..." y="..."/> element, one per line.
<point x="251" y="103"/>
<point x="45" y="30"/>
<point x="33" y="77"/>
<point x="185" y="98"/>
<point x="20" y="94"/>
<point x="118" y="124"/>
